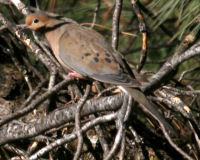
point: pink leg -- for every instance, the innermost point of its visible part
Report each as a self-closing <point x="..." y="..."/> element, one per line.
<point x="74" y="75"/>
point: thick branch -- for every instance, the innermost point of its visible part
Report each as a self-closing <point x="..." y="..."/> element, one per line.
<point x="170" y="66"/>
<point x="57" y="118"/>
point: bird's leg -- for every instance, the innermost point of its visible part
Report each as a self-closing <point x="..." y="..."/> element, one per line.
<point x="74" y="75"/>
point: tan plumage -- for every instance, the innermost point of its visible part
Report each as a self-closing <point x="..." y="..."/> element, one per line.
<point x="86" y="52"/>
<point x="83" y="50"/>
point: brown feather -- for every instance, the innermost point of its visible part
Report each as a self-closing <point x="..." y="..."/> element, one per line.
<point x="83" y="50"/>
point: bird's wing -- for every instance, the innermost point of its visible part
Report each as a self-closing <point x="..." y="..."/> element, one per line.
<point x="87" y="53"/>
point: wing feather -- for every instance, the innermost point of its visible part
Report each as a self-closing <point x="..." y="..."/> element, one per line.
<point x="87" y="53"/>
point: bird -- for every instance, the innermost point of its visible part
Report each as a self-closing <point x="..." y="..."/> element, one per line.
<point x="87" y="54"/>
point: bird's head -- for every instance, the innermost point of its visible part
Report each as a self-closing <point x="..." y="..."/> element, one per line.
<point x="37" y="21"/>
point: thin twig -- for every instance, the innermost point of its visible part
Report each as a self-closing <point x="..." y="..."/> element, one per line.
<point x="142" y="28"/>
<point x="78" y="123"/>
<point x="21" y="68"/>
<point x="72" y="136"/>
<point x="95" y="13"/>
<point x="35" y="103"/>
<point x="101" y="138"/>
<point x="58" y="117"/>
<point x="115" y="23"/>
<point x="187" y="71"/>
<point x="182" y="92"/>
<point x="123" y="147"/>
<point x="179" y="150"/>
<point x="101" y="26"/>
<point x="52" y="81"/>
<point x="120" y="126"/>
<point x="170" y="65"/>
<point x="129" y="108"/>
<point x="16" y="150"/>
<point x="31" y="67"/>
<point x="106" y="90"/>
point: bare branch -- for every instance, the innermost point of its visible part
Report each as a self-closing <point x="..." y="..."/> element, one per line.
<point x="115" y="24"/>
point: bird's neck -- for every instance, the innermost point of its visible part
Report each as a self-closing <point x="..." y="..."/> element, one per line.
<point x="53" y="35"/>
<point x="54" y="24"/>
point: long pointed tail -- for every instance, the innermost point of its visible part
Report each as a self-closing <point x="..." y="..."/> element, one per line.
<point x="148" y="107"/>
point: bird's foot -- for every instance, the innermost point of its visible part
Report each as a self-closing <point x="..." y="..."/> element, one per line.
<point x="74" y="75"/>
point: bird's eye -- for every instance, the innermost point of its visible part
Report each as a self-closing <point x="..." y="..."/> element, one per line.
<point x="35" y="20"/>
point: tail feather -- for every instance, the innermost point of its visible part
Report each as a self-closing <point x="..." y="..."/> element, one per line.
<point x="148" y="107"/>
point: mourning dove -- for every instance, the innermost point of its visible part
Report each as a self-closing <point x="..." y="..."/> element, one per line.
<point x="87" y="54"/>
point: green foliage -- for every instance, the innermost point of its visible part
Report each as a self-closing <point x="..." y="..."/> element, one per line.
<point x="183" y="13"/>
